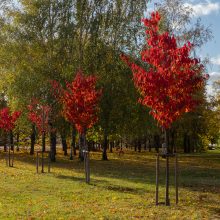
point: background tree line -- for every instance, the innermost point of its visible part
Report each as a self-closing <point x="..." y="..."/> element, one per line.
<point x="51" y="39"/>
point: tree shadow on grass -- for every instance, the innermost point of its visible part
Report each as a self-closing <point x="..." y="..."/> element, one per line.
<point x="104" y="184"/>
<point x="216" y="212"/>
<point x="133" y="169"/>
<point x="122" y="189"/>
<point x="73" y="178"/>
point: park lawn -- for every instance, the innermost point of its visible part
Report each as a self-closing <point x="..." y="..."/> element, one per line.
<point x="121" y="188"/>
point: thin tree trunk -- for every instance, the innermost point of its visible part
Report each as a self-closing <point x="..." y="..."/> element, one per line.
<point x="93" y="145"/>
<point x="139" y="146"/>
<point x="189" y="144"/>
<point x="185" y="143"/>
<point x="11" y="136"/>
<point x="43" y="150"/>
<point x="33" y="139"/>
<point x="105" y="146"/>
<point x="81" y="146"/>
<point x="149" y="146"/>
<point x="167" y="199"/>
<point x="85" y="152"/>
<point x="53" y="142"/>
<point x="145" y="143"/>
<point x="43" y="142"/>
<point x="135" y="145"/>
<point x="73" y="143"/>
<point x="111" y="146"/>
<point x="17" y="141"/>
<point x="64" y="144"/>
<point x="156" y="142"/>
<point x="173" y="147"/>
<point x="168" y="140"/>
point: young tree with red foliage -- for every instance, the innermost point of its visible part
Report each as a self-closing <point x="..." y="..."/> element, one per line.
<point x="80" y="101"/>
<point x="80" y="106"/>
<point x="173" y="78"/>
<point x="7" y="124"/>
<point x="7" y="119"/>
<point x="169" y="85"/>
<point x="39" y="115"/>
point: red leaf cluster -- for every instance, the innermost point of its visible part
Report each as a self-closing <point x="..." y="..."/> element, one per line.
<point x="7" y="119"/>
<point x="80" y="100"/>
<point x="39" y="115"/>
<point x="168" y="86"/>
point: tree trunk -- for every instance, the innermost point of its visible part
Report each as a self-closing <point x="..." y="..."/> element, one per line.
<point x="139" y="146"/>
<point x="186" y="143"/>
<point x="81" y="145"/>
<point x="64" y="144"/>
<point x="167" y="133"/>
<point x="93" y="145"/>
<point x="43" y="142"/>
<point x="149" y="145"/>
<point x="145" y="144"/>
<point x="17" y="141"/>
<point x="73" y="143"/>
<point x="53" y="143"/>
<point x="173" y="146"/>
<point x="193" y="144"/>
<point x="33" y="139"/>
<point x="111" y="146"/>
<point x="85" y="156"/>
<point x="135" y="145"/>
<point x="11" y="136"/>
<point x="189" y="144"/>
<point x="105" y="146"/>
<point x="156" y="142"/>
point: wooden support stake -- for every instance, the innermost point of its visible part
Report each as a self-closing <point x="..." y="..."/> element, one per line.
<point x="9" y="156"/>
<point x="176" y="178"/>
<point x="84" y="157"/>
<point x="42" y="157"/>
<point x="42" y="162"/>
<point x="88" y="166"/>
<point x="12" y="160"/>
<point x="157" y="179"/>
<point x="37" y="163"/>
<point x="167" y="202"/>
<point x="6" y="157"/>
<point x="49" y="156"/>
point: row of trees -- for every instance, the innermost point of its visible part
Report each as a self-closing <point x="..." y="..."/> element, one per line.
<point x="43" y="41"/>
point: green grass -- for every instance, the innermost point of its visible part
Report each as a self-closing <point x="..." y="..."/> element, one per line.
<point x="121" y="188"/>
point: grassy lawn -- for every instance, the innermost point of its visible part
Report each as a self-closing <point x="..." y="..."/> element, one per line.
<point x="121" y="188"/>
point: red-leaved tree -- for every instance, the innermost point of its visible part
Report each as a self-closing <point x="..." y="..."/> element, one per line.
<point x="7" y="124"/>
<point x="39" y="115"/>
<point x="170" y="83"/>
<point x="80" y="107"/>
<point x="8" y="119"/>
<point x="168" y="86"/>
<point x="80" y="101"/>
